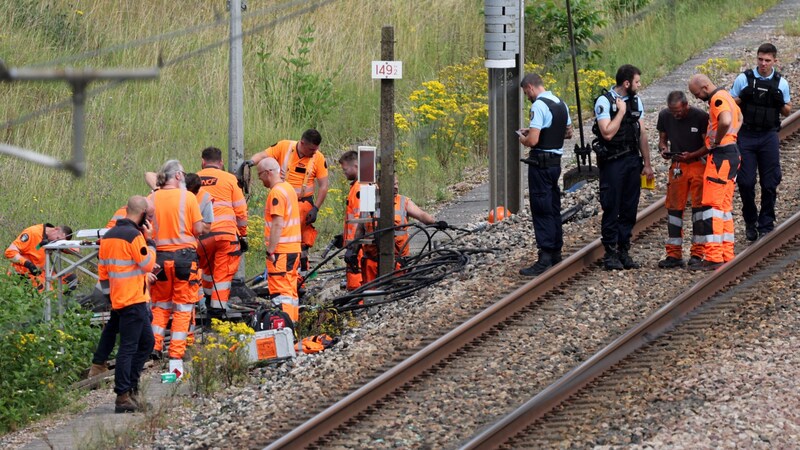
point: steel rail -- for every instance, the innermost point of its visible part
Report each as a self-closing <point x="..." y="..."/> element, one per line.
<point x="642" y="334"/>
<point x="436" y="352"/>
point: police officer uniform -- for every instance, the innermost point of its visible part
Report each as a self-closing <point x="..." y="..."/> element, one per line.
<point x="761" y="101"/>
<point x="620" y="168"/>
<point x="551" y="116"/>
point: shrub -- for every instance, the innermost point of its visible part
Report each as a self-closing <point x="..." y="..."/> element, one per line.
<point x="221" y="359"/>
<point x="39" y="360"/>
<point x="717" y="68"/>
<point x="547" y="30"/>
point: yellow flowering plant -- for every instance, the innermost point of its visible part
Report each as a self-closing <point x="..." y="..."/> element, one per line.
<point x="221" y="359"/>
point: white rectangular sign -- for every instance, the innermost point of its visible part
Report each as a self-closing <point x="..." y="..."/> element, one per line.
<point x="387" y="69"/>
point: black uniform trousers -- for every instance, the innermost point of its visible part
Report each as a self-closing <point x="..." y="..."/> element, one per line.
<point x="620" y="185"/>
<point x="545" y="200"/>
<point x="760" y="152"/>
<point x="136" y="342"/>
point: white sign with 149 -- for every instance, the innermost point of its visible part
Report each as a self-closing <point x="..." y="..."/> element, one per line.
<point x="387" y="69"/>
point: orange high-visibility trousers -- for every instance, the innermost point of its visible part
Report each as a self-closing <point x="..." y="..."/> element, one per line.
<point x="175" y="293"/>
<point x="719" y="182"/>
<point x="282" y="282"/>
<point x="219" y="256"/>
<point x="308" y="233"/>
<point x="685" y="181"/>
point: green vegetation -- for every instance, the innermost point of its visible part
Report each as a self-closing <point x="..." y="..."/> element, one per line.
<point x="791" y="27"/>
<point x="220" y="360"/>
<point x="39" y="360"/>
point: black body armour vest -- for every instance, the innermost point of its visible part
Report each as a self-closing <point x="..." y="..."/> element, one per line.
<point x="552" y="137"/>
<point x="627" y="137"/>
<point x="762" y="101"/>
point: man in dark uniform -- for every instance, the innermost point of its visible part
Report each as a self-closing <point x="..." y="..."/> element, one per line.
<point x="763" y="95"/>
<point x="621" y="135"/>
<point x="550" y="125"/>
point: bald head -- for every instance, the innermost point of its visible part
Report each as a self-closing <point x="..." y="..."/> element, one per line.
<point x="701" y="86"/>
<point x="269" y="172"/>
<point x="137" y="207"/>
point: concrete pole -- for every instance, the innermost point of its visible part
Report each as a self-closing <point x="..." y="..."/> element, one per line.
<point x="236" y="102"/>
<point x="386" y="181"/>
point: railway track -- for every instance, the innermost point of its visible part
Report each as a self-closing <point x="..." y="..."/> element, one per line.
<point x="448" y="377"/>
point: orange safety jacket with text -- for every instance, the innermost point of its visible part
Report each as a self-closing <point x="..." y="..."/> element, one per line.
<point x="124" y="260"/>
<point x="720" y="102"/>
<point x="352" y="212"/>
<point x="176" y="212"/>
<point x="297" y="171"/>
<point x="28" y="246"/>
<point x="282" y="201"/>
<point x="230" y="207"/>
<point x="400" y="233"/>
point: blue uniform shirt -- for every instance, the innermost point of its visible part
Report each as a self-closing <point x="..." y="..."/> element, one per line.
<point x="542" y="118"/>
<point x="741" y="82"/>
<point x="602" y="108"/>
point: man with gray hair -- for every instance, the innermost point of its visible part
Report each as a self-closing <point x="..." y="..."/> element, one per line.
<point x="176" y="225"/>
<point x="681" y="134"/>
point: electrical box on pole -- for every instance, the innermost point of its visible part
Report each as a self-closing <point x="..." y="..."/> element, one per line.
<point x="504" y="60"/>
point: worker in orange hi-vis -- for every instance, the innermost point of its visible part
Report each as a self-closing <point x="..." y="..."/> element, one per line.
<point x="125" y="261"/>
<point x="282" y="237"/>
<point x="302" y="165"/>
<point x="177" y="224"/>
<point x="349" y="163"/>
<point x="404" y="208"/>
<point x="722" y="165"/>
<point x="221" y="248"/>
<point x="27" y="252"/>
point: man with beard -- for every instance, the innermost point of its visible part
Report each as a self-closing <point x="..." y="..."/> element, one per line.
<point x="719" y="178"/>
<point x="623" y="155"/>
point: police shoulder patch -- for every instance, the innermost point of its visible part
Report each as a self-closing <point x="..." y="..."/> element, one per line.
<point x="600" y="109"/>
<point x="24" y="237"/>
<point x="718" y="103"/>
<point x="275" y="202"/>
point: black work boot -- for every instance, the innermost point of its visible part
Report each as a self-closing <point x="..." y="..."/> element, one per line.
<point x="545" y="262"/>
<point x="125" y="404"/>
<point x="751" y="232"/>
<point x="611" y="259"/>
<point x="625" y="257"/>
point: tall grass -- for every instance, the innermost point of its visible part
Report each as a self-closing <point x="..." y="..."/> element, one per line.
<point x="138" y="126"/>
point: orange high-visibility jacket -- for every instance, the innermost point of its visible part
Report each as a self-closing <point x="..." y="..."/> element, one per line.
<point x="124" y="261"/>
<point x="28" y="246"/>
<point x="230" y="207"/>
<point x="352" y="212"/>
<point x="176" y="212"/>
<point x="121" y="213"/>
<point x="282" y="201"/>
<point x="722" y="101"/>
<point x="299" y="172"/>
<point x="400" y="234"/>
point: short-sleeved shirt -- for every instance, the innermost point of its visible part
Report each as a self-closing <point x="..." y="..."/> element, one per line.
<point x="686" y="134"/>
<point x="206" y="205"/>
<point x="282" y="202"/>
<point x="297" y="171"/>
<point x="720" y="102"/>
<point x="741" y="82"/>
<point x="176" y="211"/>
<point x="602" y="107"/>
<point x="542" y="117"/>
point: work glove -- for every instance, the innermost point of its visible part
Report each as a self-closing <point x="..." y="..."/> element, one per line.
<point x="351" y="260"/>
<point x="250" y="163"/>
<point x="32" y="268"/>
<point x="312" y="215"/>
<point x="243" y="245"/>
<point x="338" y="241"/>
<point x="441" y="225"/>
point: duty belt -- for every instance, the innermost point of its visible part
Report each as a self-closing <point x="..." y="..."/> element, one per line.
<point x="542" y="159"/>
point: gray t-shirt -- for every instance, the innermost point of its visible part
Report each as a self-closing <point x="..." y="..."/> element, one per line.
<point x="685" y="135"/>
